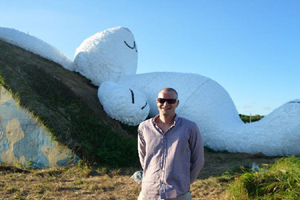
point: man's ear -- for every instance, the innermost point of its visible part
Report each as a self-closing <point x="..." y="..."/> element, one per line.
<point x="177" y="103"/>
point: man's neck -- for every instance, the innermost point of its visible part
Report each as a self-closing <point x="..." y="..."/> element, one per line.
<point x="166" y="120"/>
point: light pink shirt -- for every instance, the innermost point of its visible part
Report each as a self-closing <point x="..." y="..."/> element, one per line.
<point x="170" y="161"/>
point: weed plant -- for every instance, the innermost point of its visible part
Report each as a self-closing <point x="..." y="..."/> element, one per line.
<point x="278" y="181"/>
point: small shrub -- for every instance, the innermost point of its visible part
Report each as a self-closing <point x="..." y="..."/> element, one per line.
<point x="278" y="181"/>
<point x="250" y="118"/>
<point x="79" y="181"/>
<point x="11" y="189"/>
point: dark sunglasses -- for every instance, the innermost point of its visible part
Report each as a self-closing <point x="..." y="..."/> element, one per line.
<point x="170" y="101"/>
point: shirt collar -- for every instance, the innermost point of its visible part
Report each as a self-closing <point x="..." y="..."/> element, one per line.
<point x="175" y="119"/>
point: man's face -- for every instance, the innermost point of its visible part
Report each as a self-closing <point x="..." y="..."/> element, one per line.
<point x="167" y="109"/>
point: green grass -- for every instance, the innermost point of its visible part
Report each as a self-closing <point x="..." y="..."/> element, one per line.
<point x="64" y="114"/>
<point x="278" y="181"/>
<point x="250" y="118"/>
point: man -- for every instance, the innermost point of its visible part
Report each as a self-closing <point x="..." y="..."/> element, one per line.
<point x="170" y="150"/>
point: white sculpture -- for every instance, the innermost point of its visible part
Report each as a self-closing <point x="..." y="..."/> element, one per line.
<point x="107" y="55"/>
<point x="201" y="100"/>
<point x="109" y="60"/>
<point x="122" y="103"/>
<point x="208" y="104"/>
<point x="35" y="45"/>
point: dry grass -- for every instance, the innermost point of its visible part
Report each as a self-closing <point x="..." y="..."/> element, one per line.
<point x="102" y="183"/>
<point x="66" y="183"/>
<point x="77" y="183"/>
<point x="211" y="188"/>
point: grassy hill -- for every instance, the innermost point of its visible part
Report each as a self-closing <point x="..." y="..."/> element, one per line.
<point x="67" y="105"/>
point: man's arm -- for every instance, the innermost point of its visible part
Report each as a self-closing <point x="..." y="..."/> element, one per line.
<point x="197" y="153"/>
<point x="141" y="147"/>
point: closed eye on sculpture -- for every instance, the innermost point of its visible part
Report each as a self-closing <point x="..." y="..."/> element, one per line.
<point x="134" y="46"/>
<point x="132" y="99"/>
<point x="132" y="96"/>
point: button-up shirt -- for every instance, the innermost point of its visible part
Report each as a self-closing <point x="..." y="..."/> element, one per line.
<point x="171" y="161"/>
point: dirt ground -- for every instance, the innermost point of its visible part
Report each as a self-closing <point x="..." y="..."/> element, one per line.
<point x="218" y="163"/>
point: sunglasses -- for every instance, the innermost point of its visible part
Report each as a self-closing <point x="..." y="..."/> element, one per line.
<point x="170" y="101"/>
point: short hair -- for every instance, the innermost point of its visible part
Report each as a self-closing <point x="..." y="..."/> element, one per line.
<point x="170" y="90"/>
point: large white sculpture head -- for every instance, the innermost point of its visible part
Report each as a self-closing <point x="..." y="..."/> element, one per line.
<point x="107" y="55"/>
<point x="122" y="103"/>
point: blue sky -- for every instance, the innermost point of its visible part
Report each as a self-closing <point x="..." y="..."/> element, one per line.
<point x="250" y="47"/>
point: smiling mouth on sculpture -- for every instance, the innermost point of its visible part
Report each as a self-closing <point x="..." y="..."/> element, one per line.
<point x="134" y="46"/>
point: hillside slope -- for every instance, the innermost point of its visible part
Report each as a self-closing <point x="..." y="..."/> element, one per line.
<point x="67" y="104"/>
